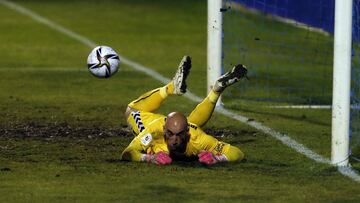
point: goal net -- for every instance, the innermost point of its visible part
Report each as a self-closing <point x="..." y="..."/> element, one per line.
<point x="289" y="47"/>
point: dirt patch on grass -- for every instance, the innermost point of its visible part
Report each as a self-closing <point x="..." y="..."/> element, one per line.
<point x="60" y="130"/>
<point x="66" y="130"/>
<point x="226" y="133"/>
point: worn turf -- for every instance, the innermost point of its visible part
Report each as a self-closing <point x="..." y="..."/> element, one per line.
<point x="64" y="163"/>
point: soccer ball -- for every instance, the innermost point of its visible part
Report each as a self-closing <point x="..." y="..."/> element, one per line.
<point x="103" y="62"/>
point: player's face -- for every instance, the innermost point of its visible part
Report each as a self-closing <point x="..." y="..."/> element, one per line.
<point x="176" y="141"/>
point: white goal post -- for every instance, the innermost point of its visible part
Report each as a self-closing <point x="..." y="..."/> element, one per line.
<point x="341" y="83"/>
<point x="214" y="42"/>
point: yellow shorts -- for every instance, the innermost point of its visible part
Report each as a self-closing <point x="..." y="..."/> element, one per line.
<point x="139" y="120"/>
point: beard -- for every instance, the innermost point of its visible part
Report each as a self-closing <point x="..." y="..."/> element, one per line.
<point x="180" y="149"/>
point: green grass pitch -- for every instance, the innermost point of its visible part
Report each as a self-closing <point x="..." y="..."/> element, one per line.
<point x="62" y="130"/>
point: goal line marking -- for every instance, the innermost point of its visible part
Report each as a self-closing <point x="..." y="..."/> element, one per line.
<point x="301" y="107"/>
<point x="346" y="171"/>
<point x="352" y="106"/>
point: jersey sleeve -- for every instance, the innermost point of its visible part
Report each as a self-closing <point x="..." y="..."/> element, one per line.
<point x="206" y="142"/>
<point x="137" y="148"/>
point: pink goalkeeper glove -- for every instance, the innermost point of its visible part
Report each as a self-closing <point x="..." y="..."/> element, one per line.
<point x="162" y="158"/>
<point x="207" y="158"/>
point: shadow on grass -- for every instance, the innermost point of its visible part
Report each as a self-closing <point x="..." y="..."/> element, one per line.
<point x="187" y="163"/>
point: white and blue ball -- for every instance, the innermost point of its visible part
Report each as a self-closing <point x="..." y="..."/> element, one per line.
<point x="103" y="62"/>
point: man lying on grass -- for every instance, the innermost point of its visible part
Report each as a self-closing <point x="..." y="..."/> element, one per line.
<point x="160" y="139"/>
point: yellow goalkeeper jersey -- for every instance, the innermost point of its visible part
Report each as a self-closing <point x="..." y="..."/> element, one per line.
<point x="151" y="141"/>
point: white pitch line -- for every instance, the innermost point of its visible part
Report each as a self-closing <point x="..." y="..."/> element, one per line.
<point x="353" y="106"/>
<point x="349" y="172"/>
<point x="47" y="22"/>
<point x="302" y="107"/>
<point x="346" y="171"/>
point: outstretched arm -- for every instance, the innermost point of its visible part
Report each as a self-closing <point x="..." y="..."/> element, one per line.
<point x="208" y="157"/>
<point x="213" y="151"/>
<point x="160" y="158"/>
<point x="134" y="152"/>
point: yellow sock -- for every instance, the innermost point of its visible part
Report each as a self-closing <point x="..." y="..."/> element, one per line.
<point x="213" y="96"/>
<point x="203" y="111"/>
<point x="170" y="88"/>
<point x="150" y="101"/>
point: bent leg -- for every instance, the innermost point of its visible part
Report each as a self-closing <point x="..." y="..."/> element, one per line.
<point x="140" y="120"/>
<point x="150" y="101"/>
<point x="203" y="111"/>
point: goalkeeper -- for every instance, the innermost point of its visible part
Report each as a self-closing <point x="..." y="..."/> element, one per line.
<point x="160" y="139"/>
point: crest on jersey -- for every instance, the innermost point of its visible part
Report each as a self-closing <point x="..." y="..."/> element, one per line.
<point x="146" y="139"/>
